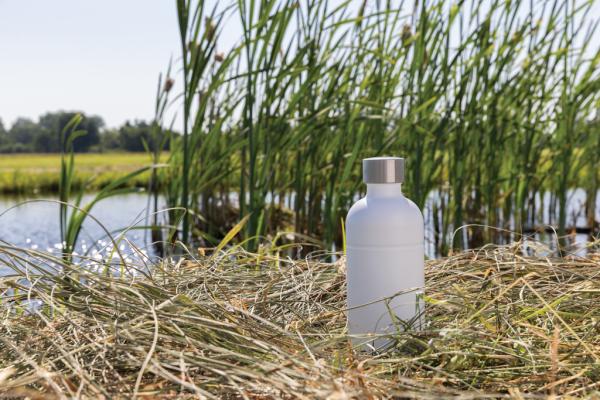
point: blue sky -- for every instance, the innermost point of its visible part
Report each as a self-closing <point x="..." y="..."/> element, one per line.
<point x="97" y="56"/>
<point x="100" y="57"/>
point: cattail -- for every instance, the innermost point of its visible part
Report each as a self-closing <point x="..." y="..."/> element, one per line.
<point x="361" y="13"/>
<point x="516" y="38"/>
<point x="406" y="35"/>
<point x="210" y="29"/>
<point x="169" y="84"/>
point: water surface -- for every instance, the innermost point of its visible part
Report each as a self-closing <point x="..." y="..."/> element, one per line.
<point x="33" y="223"/>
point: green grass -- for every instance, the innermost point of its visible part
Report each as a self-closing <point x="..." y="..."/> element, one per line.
<point x="32" y="173"/>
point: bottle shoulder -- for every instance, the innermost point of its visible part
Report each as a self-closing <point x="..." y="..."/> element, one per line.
<point x="400" y="207"/>
<point x="384" y="221"/>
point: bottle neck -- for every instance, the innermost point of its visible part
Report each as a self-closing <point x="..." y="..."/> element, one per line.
<point x="384" y="190"/>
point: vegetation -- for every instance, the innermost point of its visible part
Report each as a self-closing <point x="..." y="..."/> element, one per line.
<point x="503" y="322"/>
<point x="492" y="104"/>
<point x="44" y="136"/>
<point x="27" y="136"/>
<point x="72" y="211"/>
<point x="40" y="173"/>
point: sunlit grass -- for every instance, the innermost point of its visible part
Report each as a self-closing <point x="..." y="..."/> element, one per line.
<point x="31" y="173"/>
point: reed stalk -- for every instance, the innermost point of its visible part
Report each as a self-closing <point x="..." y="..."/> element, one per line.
<point x="489" y="103"/>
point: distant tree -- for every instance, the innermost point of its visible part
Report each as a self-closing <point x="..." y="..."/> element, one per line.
<point x="5" y="141"/>
<point x="25" y="135"/>
<point x="23" y="132"/>
<point x="132" y="136"/>
<point x="3" y="133"/>
<point x="52" y="125"/>
<point x="109" y="140"/>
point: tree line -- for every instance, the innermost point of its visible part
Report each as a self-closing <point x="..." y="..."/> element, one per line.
<point x="44" y="136"/>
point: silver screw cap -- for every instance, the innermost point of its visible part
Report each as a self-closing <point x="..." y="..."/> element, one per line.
<point x="383" y="170"/>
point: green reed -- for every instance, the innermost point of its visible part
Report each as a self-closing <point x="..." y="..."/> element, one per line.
<point x="73" y="212"/>
<point x="490" y="102"/>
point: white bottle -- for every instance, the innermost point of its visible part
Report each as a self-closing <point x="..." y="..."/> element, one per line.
<point x="385" y="256"/>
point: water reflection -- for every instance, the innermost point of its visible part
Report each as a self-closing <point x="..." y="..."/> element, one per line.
<point x="35" y="226"/>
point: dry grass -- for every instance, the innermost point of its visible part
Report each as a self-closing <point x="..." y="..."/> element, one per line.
<point x="241" y="325"/>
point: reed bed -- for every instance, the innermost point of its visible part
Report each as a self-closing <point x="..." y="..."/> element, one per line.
<point x="503" y="322"/>
<point x="493" y="104"/>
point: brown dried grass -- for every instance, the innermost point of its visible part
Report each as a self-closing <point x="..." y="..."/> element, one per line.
<point x="504" y="322"/>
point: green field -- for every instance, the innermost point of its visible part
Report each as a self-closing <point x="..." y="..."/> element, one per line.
<point x="37" y="173"/>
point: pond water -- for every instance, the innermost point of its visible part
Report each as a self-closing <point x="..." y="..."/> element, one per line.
<point x="33" y="223"/>
<point x="576" y="199"/>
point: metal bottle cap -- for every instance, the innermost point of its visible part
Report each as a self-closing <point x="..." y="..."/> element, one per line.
<point x="383" y="170"/>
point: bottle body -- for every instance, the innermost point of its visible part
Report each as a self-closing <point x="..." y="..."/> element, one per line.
<point x="385" y="264"/>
